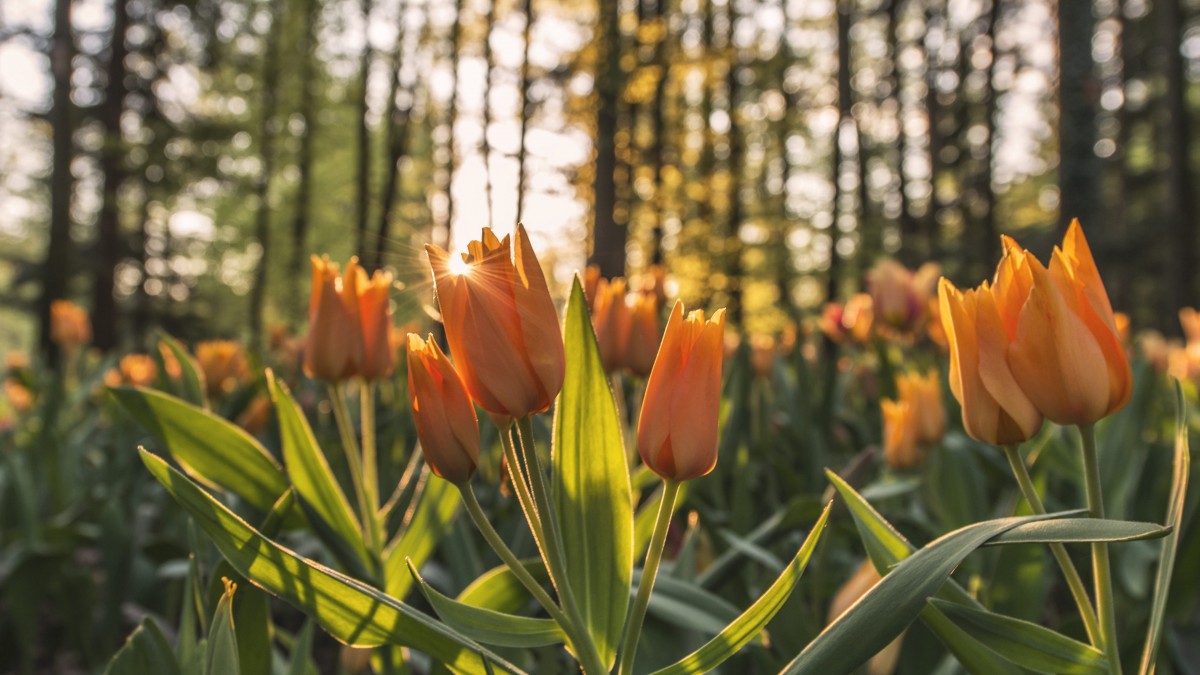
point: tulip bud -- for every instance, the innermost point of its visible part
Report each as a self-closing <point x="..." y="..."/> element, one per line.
<point x="610" y="317"/>
<point x="924" y="393"/>
<point x="858" y="316"/>
<point x="333" y="349"/>
<point x="644" y="335"/>
<point x="677" y="428"/>
<point x="223" y="364"/>
<point x="591" y="281"/>
<point x="376" y="317"/>
<point x="900" y="449"/>
<point x="138" y="370"/>
<point x="501" y="324"/>
<point x="895" y="299"/>
<point x="69" y="325"/>
<point x="1189" y="319"/>
<point x="443" y="411"/>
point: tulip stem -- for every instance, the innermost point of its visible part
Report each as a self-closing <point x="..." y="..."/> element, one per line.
<point x="637" y="614"/>
<point x="1101" y="568"/>
<point x="341" y="414"/>
<point x="1074" y="582"/>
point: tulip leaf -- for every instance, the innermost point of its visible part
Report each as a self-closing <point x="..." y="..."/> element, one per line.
<point x="1072" y="530"/>
<point x="488" y="625"/>
<point x="893" y="603"/>
<point x="213" y="451"/>
<point x="499" y="589"/>
<point x="309" y="470"/>
<point x="974" y="656"/>
<point x="743" y="629"/>
<point x="348" y="609"/>
<point x="145" y="651"/>
<point x="592" y="494"/>
<point x="429" y="520"/>
<point x="193" y="378"/>
<point x="222" y="638"/>
<point x="1170" y="545"/>
<point x="684" y="604"/>
<point x="1025" y="644"/>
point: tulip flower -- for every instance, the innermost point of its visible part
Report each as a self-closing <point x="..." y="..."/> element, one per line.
<point x="378" y="359"/>
<point x="333" y="350"/>
<point x="762" y="355"/>
<point x="20" y="398"/>
<point x="591" y="281"/>
<point x="223" y="363"/>
<point x="859" y="316"/>
<point x="644" y="335"/>
<point x="1065" y="352"/>
<point x="501" y="324"/>
<point x="677" y="429"/>
<point x="138" y="370"/>
<point x="924" y="392"/>
<point x="1189" y="319"/>
<point x="70" y="326"/>
<point x="611" y="319"/>
<point x="443" y="411"/>
<point x="994" y="408"/>
<point x="900" y="449"/>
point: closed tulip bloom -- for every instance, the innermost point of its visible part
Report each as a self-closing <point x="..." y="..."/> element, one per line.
<point x="443" y="411"/>
<point x="376" y="316"/>
<point x="501" y="324"/>
<point x="70" y="326"/>
<point x="895" y="298"/>
<point x="644" y="335"/>
<point x="994" y="408"/>
<point x="223" y="364"/>
<point x="1066" y="353"/>
<point x="900" y="448"/>
<point x="591" y="280"/>
<point x="924" y="393"/>
<point x="611" y="319"/>
<point x="677" y="429"/>
<point x="858" y="316"/>
<point x="333" y="348"/>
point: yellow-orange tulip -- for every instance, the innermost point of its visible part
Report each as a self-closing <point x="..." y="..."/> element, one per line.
<point x="677" y="428"/>
<point x="375" y="314"/>
<point x="1065" y="351"/>
<point x="612" y="321"/>
<point x="924" y="392"/>
<point x="863" y="580"/>
<point x="1189" y="319"/>
<point x="994" y="408"/>
<point x="138" y="370"/>
<point x="333" y="350"/>
<point x="644" y="335"/>
<point x="858" y="316"/>
<point x="501" y="324"/>
<point x="900" y="449"/>
<point x="20" y="398"/>
<point x="223" y="363"/>
<point x="70" y="326"/>
<point x="445" y="417"/>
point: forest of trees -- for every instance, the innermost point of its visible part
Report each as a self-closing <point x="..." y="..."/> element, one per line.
<point x="173" y="163"/>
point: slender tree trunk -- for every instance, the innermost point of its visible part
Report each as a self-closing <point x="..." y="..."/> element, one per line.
<point x="608" y="236"/>
<point x="486" y="146"/>
<point x="662" y="59"/>
<point x="304" y="161"/>
<point x="364" y="136"/>
<point x="526" y="109"/>
<point x="908" y="224"/>
<point x="833" y="289"/>
<point x="452" y="113"/>
<point x="266" y="136"/>
<point x="1078" y="166"/>
<point x="933" y="110"/>
<point x="397" y="143"/>
<point x="108" y="222"/>
<point x="56" y="269"/>
<point x="989" y="245"/>
<point x="1180" y="204"/>
<point x="733" y="241"/>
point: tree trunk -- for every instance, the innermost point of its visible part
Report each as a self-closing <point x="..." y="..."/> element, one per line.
<point x="57" y="266"/>
<point x="1180" y="205"/>
<point x="989" y="245"/>
<point x="108" y="222"/>
<point x="733" y="240"/>
<point x="364" y="137"/>
<point x="608" y="236"/>
<point x="452" y="114"/>
<point x="908" y="224"/>
<point x="486" y="146"/>
<point x="304" y="160"/>
<point x="397" y="143"/>
<point x="933" y="110"/>
<point x="1078" y="166"/>
<point x="833" y="287"/>
<point x="657" y="121"/>
<point x="266" y="139"/>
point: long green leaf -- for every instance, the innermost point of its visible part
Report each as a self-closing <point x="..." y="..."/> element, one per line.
<point x="499" y="589"/>
<point x="591" y="485"/>
<point x="222" y="638"/>
<point x="1070" y="530"/>
<point x="194" y="390"/>
<point x="213" y="451"/>
<point x="1166" y="557"/>
<point x="755" y="618"/>
<point x="309" y="470"/>
<point x="145" y="651"/>
<point x="970" y="653"/>
<point x="1025" y="644"/>
<point x="428" y="522"/>
<point x="488" y="625"/>
<point x="350" y="610"/>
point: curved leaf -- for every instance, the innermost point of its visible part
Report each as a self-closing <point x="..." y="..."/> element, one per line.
<point x="1070" y="530"/>
<point x="145" y="651"/>
<point x="499" y="589"/>
<point x="591" y="485"/>
<point x="213" y="451"/>
<point x="425" y="525"/>
<point x="488" y="625"/>
<point x="970" y="653"/>
<point x="755" y="618"/>
<point x="193" y="378"/>
<point x="350" y="610"/>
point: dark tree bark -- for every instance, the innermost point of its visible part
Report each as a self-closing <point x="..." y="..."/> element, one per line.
<point x="452" y="114"/>
<point x="1078" y="166"/>
<point x="486" y="146"/>
<point x="304" y="160"/>
<point x="266" y="140"/>
<point x="56" y="269"/>
<point x="733" y="240"/>
<point x="608" y="236"/>
<point x="397" y="143"/>
<point x="364" y="137"/>
<point x="989" y="244"/>
<point x="909" y="229"/>
<point x="662" y="60"/>
<point x="108" y="223"/>
<point x="526" y="109"/>
<point x="1179" y="208"/>
<point x="933" y="110"/>
<point x="832" y="290"/>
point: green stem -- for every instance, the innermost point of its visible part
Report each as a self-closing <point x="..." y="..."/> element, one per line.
<point x="341" y="413"/>
<point x="633" y="628"/>
<point x="1101" y="568"/>
<point x="1074" y="582"/>
<point x="552" y="543"/>
<point x="370" y="463"/>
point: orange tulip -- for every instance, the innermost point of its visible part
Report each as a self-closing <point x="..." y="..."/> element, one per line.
<point x="591" y="281"/>
<point x="1189" y="319"/>
<point x="644" y="335"/>
<point x="677" y="429"/>
<point x="1065" y="350"/>
<point x="20" y="398"/>
<point x="501" y="324"/>
<point x="223" y="363"/>
<point x="924" y="392"/>
<point x="994" y="408"/>
<point x="762" y="355"/>
<point x="138" y="370"/>
<point x="900" y="449"/>
<point x="445" y="417"/>
<point x="70" y="326"/>
<point x="333" y="350"/>
<point x="376" y="317"/>
<point x="257" y="415"/>
<point x="859" y="316"/>
<point x="610" y="317"/>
